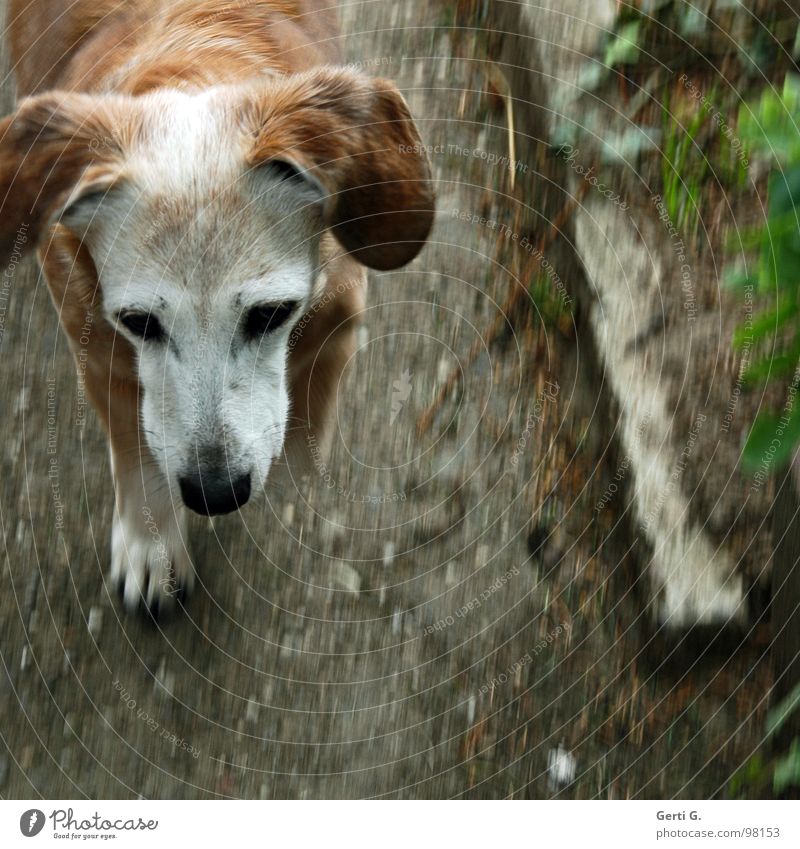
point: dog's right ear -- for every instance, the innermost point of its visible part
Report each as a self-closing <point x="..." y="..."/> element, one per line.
<point x="55" y="150"/>
<point x="352" y="137"/>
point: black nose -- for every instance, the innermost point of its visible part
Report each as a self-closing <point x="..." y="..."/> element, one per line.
<point x="214" y="493"/>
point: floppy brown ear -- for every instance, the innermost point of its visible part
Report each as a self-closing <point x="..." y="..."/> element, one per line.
<point x="56" y="148"/>
<point x="355" y="137"/>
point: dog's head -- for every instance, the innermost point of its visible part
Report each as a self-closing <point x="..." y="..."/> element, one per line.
<point x="208" y="218"/>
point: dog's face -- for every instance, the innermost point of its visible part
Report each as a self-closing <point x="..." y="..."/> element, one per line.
<point x="204" y="216"/>
<point x="205" y="265"/>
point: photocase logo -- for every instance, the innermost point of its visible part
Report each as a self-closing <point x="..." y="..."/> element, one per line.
<point x="31" y="822"/>
<point x="400" y="394"/>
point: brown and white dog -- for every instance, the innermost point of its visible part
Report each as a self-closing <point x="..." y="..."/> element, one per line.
<point x="199" y="178"/>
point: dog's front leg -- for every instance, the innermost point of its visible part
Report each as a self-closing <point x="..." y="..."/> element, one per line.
<point x="150" y="563"/>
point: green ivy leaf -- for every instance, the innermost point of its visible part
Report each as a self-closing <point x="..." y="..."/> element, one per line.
<point x="693" y="22"/>
<point x="750" y="775"/>
<point x="782" y="711"/>
<point x="738" y="279"/>
<point x="772" y="440"/>
<point x="765" y="324"/>
<point x="787" y="769"/>
<point x="758" y="440"/>
<point x="772" y="127"/>
<point x="624" y="49"/>
<point x="776" y="366"/>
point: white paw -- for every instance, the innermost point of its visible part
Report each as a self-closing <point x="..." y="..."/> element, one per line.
<point x="149" y="562"/>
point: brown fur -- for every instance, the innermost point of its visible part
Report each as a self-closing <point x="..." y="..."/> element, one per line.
<point x="81" y="64"/>
<point x="132" y="46"/>
<point x="46" y="150"/>
<point x="109" y="376"/>
<point x="359" y="139"/>
<point x="136" y="46"/>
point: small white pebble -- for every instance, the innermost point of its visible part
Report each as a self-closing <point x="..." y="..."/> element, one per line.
<point x="345" y="577"/>
<point x="444" y="369"/>
<point x="291" y="644"/>
<point x="95" y="622"/>
<point x="482" y="555"/>
<point x="451" y="574"/>
<point x="165" y="681"/>
<point x="561" y="767"/>
<point x="251" y="714"/>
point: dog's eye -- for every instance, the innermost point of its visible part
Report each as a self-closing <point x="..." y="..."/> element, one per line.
<point x="285" y="170"/>
<point x="266" y="318"/>
<point x="143" y="324"/>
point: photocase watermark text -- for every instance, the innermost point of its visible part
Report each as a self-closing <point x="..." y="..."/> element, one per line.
<point x="571" y="155"/>
<point x="679" y="249"/>
<point x="525" y="660"/>
<point x="523" y="242"/>
<point x="474" y="604"/>
<point x="9" y="274"/>
<point x="535" y="415"/>
<point x="153" y="724"/>
<point x="496" y="160"/>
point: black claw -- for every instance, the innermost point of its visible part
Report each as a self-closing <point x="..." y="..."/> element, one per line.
<point x="146" y="586"/>
<point x="154" y="611"/>
<point x="163" y="608"/>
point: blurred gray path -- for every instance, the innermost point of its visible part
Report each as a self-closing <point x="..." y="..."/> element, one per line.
<point x="431" y="617"/>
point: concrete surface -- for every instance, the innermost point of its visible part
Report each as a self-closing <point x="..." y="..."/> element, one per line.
<point x="431" y="615"/>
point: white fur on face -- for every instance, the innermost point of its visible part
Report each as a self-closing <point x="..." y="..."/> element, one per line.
<point x="195" y="241"/>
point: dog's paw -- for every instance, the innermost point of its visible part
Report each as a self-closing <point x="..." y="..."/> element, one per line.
<point x="150" y="565"/>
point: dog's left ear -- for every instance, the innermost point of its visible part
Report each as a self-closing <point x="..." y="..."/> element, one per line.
<point x="355" y="138"/>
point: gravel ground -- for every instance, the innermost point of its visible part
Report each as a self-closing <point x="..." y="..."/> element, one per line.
<point x="439" y="612"/>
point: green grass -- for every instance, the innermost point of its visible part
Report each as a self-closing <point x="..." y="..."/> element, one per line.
<point x="548" y="302"/>
<point x="687" y="165"/>
<point x="770" y="127"/>
<point x="778" y="773"/>
<point x="684" y="167"/>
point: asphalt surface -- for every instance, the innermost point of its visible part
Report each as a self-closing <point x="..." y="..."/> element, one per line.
<point x="431" y="615"/>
